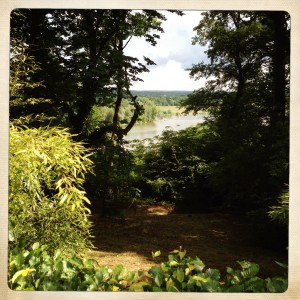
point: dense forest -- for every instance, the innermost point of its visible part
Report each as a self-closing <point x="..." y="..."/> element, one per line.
<point x="71" y="107"/>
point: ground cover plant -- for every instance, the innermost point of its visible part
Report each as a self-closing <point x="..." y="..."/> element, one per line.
<point x="35" y="269"/>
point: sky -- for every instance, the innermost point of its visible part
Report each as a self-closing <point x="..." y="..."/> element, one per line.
<point x="173" y="54"/>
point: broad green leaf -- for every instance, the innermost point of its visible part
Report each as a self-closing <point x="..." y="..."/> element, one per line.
<point x="35" y="246"/>
<point x="19" y="259"/>
<point x="156" y="254"/>
<point x="156" y="289"/>
<point x="76" y="261"/>
<point x="199" y="278"/>
<point x="138" y="287"/>
<point x="182" y="254"/>
<point x="235" y="288"/>
<point x="20" y="274"/>
<point x="158" y="279"/>
<point x="212" y="286"/>
<point x="277" y="285"/>
<point x="174" y="263"/>
<point x="180" y="275"/>
<point x="117" y="271"/>
<point x="213" y="274"/>
<point x="171" y="286"/>
<point x="89" y="263"/>
<point x="249" y="269"/>
<point x="92" y="287"/>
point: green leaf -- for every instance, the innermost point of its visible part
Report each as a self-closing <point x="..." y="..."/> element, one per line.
<point x="157" y="289"/>
<point x="249" y="269"/>
<point x="21" y="274"/>
<point x="19" y="259"/>
<point x="174" y="263"/>
<point x="89" y="263"/>
<point x="182" y="254"/>
<point x="37" y="153"/>
<point x="138" y="287"/>
<point x="158" y="275"/>
<point x="158" y="279"/>
<point x="285" y="266"/>
<point x="213" y="274"/>
<point x="117" y="271"/>
<point x="235" y="288"/>
<point x="156" y="254"/>
<point x="277" y="285"/>
<point x="199" y="278"/>
<point x="180" y="275"/>
<point x="255" y="285"/>
<point x="76" y="261"/>
<point x="35" y="246"/>
<point x="171" y="286"/>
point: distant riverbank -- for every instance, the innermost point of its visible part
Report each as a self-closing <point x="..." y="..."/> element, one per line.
<point x="150" y="130"/>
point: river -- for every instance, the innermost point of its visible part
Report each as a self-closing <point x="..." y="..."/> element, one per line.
<point x="150" y="130"/>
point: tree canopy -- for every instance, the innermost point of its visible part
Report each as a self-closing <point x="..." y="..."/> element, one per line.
<point x="82" y="60"/>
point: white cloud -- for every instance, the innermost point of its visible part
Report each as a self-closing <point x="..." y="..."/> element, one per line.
<point x="173" y="54"/>
<point x="170" y="76"/>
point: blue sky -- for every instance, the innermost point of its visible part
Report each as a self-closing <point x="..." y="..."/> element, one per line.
<point x="173" y="54"/>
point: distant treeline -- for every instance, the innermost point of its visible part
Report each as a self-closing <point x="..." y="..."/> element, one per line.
<point x="163" y="98"/>
<point x="161" y="93"/>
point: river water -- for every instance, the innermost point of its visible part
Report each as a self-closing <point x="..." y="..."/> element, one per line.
<point x="150" y="130"/>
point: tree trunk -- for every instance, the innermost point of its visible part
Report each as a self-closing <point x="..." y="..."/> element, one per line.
<point x="279" y="56"/>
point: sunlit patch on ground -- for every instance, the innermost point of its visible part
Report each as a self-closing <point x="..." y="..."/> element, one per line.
<point x="218" y="239"/>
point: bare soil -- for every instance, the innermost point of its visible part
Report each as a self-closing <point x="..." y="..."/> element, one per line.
<point x="218" y="239"/>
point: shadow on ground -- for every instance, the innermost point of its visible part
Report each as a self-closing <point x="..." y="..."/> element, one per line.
<point x="218" y="239"/>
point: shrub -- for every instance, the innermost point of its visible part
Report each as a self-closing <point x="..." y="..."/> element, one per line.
<point x="47" y="202"/>
<point x="280" y="212"/>
<point x="34" y="269"/>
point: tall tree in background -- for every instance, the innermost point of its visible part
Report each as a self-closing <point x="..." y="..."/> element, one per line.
<point x="245" y="96"/>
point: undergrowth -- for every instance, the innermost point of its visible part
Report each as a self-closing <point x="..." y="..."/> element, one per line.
<point x="35" y="269"/>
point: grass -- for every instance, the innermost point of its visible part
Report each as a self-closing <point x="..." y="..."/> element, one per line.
<point x="219" y="239"/>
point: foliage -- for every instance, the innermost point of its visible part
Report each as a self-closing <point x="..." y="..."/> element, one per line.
<point x="104" y="114"/>
<point x="247" y="101"/>
<point x="114" y="183"/>
<point x="35" y="269"/>
<point x="280" y="212"/>
<point x="176" y="167"/>
<point x="83" y="52"/>
<point x="47" y="202"/>
<point x="22" y="68"/>
<point x="164" y="98"/>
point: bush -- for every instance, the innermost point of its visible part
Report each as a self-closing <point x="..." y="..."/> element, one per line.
<point x="174" y="168"/>
<point x="34" y="269"/>
<point x="280" y="212"/>
<point x="47" y="202"/>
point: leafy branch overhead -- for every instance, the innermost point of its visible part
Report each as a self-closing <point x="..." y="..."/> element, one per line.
<point x="83" y="52"/>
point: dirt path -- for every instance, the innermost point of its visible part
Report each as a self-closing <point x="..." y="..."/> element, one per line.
<point x="218" y="239"/>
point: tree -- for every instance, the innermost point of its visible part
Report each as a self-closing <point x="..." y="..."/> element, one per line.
<point x="22" y="69"/>
<point x="29" y="31"/>
<point x="243" y="102"/>
<point x="83" y="65"/>
<point x="83" y="53"/>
